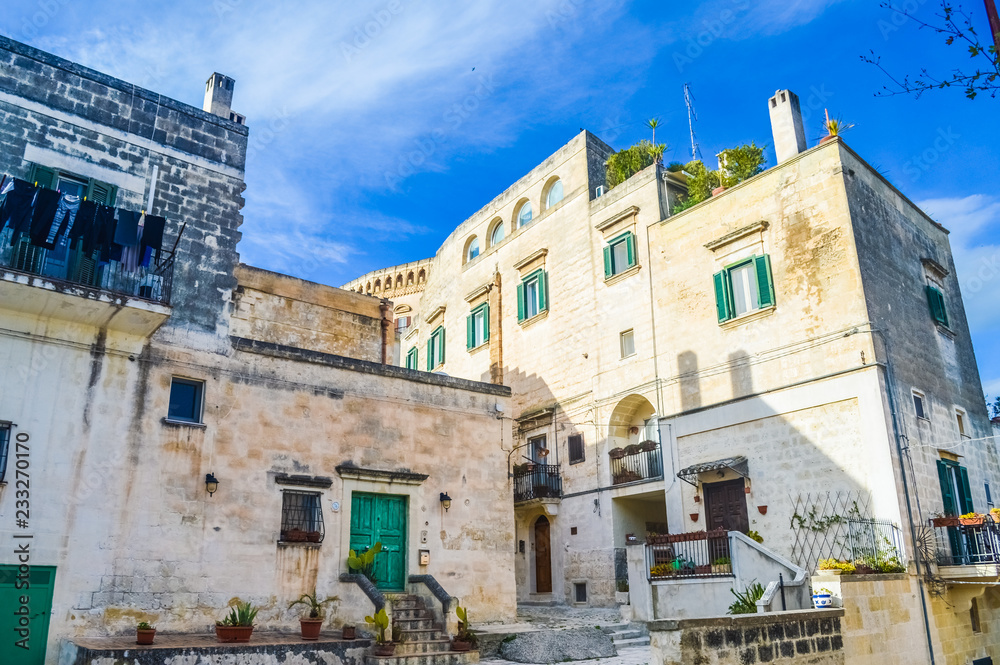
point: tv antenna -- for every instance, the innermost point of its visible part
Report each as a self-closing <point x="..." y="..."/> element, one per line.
<point x="692" y="116"/>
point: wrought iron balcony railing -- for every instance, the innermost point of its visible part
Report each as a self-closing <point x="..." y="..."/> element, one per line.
<point x="968" y="544"/>
<point x="537" y="481"/>
<point x="636" y="463"/>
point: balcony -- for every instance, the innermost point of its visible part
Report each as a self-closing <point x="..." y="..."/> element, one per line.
<point x="73" y="287"/>
<point x="537" y="481"/>
<point x="637" y="463"/>
<point x="966" y="550"/>
<point x="689" y="555"/>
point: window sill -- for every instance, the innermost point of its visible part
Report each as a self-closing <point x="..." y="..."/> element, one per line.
<point x="614" y="279"/>
<point x="749" y="316"/>
<point x="537" y="317"/>
<point x="484" y="345"/>
<point x="306" y="545"/>
<point x="945" y="330"/>
<point x="182" y="423"/>
<point x="629" y="356"/>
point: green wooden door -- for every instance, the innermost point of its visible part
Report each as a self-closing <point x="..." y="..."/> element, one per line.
<point x="381" y="518"/>
<point x="25" y="628"/>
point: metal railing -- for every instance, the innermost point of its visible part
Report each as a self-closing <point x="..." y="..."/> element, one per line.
<point x="876" y="545"/>
<point x="72" y="266"/>
<point x="966" y="544"/>
<point x="688" y="555"/>
<point x="537" y="481"/>
<point x="636" y="463"/>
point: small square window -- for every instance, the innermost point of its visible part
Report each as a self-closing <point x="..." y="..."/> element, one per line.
<point x="628" y="343"/>
<point x="580" y="589"/>
<point x="301" y="517"/>
<point x="918" y="405"/>
<point x="576" y="450"/>
<point x="185" y="400"/>
<point x="960" y="420"/>
<point x="572" y="531"/>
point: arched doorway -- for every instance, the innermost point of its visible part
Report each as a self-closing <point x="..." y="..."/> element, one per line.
<point x="543" y="556"/>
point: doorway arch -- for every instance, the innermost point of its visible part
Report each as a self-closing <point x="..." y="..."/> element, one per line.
<point x="543" y="556"/>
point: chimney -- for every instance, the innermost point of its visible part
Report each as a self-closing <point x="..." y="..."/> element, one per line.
<point x="786" y="125"/>
<point x="219" y="97"/>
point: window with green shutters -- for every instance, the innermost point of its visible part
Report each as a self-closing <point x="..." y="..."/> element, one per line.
<point x="477" y="327"/>
<point x="744" y="287"/>
<point x="412" y="358"/>
<point x="70" y="183"/>
<point x="955" y="491"/>
<point x="435" y="349"/>
<point x="619" y="254"/>
<point x="532" y="295"/>
<point x="936" y="301"/>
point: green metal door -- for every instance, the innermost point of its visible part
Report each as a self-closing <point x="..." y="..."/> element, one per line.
<point x="24" y="621"/>
<point x="381" y="518"/>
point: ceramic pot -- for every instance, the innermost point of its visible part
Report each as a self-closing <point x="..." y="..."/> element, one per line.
<point x="233" y="633"/>
<point x="310" y="628"/>
<point x="144" y="636"/>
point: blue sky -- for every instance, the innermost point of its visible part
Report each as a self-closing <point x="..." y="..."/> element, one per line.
<point x="368" y="149"/>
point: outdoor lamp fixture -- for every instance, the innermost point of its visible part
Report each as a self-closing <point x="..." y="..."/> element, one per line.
<point x="211" y="483"/>
<point x="445" y="501"/>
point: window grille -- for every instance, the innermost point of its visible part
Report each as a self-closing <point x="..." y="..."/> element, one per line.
<point x="301" y="517"/>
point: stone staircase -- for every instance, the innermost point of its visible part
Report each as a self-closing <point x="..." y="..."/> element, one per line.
<point x="628" y="634"/>
<point x="424" y="641"/>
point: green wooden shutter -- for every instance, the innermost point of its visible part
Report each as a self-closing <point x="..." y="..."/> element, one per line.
<point x="947" y="489"/>
<point x="608" y="268"/>
<point x="964" y="492"/>
<point x="45" y="177"/>
<point x="765" y="285"/>
<point x="722" y="296"/>
<point x="470" y="331"/>
<point x="101" y="192"/>
<point x="430" y="353"/>
<point x="486" y="322"/>
<point x="520" y="301"/>
<point x="630" y="246"/>
<point x="442" y="346"/>
<point x="936" y="301"/>
<point x="543" y="291"/>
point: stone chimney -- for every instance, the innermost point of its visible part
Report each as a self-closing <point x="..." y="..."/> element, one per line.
<point x="786" y="125"/>
<point x="219" y="97"/>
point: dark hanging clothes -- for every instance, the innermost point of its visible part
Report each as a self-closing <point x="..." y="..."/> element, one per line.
<point x="127" y="231"/>
<point x="15" y="208"/>
<point x="84" y="226"/>
<point x="104" y="230"/>
<point x="69" y="205"/>
<point x="46" y="203"/>
<point x="152" y="235"/>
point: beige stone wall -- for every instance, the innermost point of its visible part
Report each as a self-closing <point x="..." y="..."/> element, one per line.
<point x="279" y="309"/>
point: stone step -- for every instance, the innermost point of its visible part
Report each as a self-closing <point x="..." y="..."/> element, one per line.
<point x="416" y="647"/>
<point x="414" y="603"/>
<point x="398" y="613"/>
<point x="449" y="658"/>
<point x="425" y="635"/>
<point x="626" y="635"/>
<point x="632" y="642"/>
<point x="413" y="624"/>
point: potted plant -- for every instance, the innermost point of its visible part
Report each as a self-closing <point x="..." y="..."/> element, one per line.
<point x="364" y="563"/>
<point x="971" y="519"/>
<point x="835" y="567"/>
<point x="834" y="127"/>
<point x="995" y="514"/>
<point x="314" y="536"/>
<point x="144" y="633"/>
<point x="616" y="453"/>
<point x="294" y="535"/>
<point x="753" y="535"/>
<point x="383" y="646"/>
<point x="311" y="623"/>
<point x="648" y="445"/>
<point x="348" y="632"/>
<point x="822" y="598"/>
<point x="944" y="521"/>
<point x="465" y="640"/>
<point x="722" y="566"/>
<point x="238" y="624"/>
<point x="632" y="449"/>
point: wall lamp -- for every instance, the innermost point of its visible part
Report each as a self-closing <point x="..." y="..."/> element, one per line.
<point x="445" y="501"/>
<point x="211" y="483"/>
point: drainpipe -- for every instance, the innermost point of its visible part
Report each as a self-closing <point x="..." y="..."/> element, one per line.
<point x="891" y="391"/>
<point x="386" y="315"/>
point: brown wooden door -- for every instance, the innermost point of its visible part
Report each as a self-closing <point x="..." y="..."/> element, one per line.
<point x="543" y="557"/>
<point x="726" y="506"/>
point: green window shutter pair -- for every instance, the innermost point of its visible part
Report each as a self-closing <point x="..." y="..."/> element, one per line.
<point x="936" y="301"/>
<point x="608" y="268"/>
<point x="962" y="503"/>
<point x="723" y="287"/>
<point x="412" y="358"/>
<point x="43" y="176"/>
<point x="543" y="291"/>
<point x="470" y="326"/>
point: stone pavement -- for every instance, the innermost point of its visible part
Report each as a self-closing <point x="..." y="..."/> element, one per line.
<point x="626" y="656"/>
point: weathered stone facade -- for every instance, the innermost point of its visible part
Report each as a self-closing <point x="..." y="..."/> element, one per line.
<point x="295" y="397"/>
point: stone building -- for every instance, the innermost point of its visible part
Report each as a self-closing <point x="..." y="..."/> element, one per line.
<point x="190" y="430"/>
<point x="790" y="357"/>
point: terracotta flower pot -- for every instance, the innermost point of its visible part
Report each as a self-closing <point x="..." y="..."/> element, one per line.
<point x="458" y="645"/>
<point x="144" y="636"/>
<point x="762" y="510"/>
<point x="694" y="517"/>
<point x="718" y="190"/>
<point x="314" y="536"/>
<point x="386" y="649"/>
<point x="945" y="521"/>
<point x="970" y="521"/>
<point x="233" y="633"/>
<point x="310" y="628"/>
<point x="348" y="633"/>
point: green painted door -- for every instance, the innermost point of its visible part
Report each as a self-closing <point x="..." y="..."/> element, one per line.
<point x="24" y="621"/>
<point x="381" y="518"/>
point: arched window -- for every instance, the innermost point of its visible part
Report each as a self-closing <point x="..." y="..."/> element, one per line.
<point x="524" y="214"/>
<point x="409" y="278"/>
<point x="472" y="249"/>
<point x="421" y="276"/>
<point x="555" y="194"/>
<point x="497" y="234"/>
<point x="368" y="288"/>
<point x="378" y="285"/>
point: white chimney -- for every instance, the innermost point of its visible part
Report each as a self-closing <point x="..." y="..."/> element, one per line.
<point x="786" y="125"/>
<point x="219" y="95"/>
